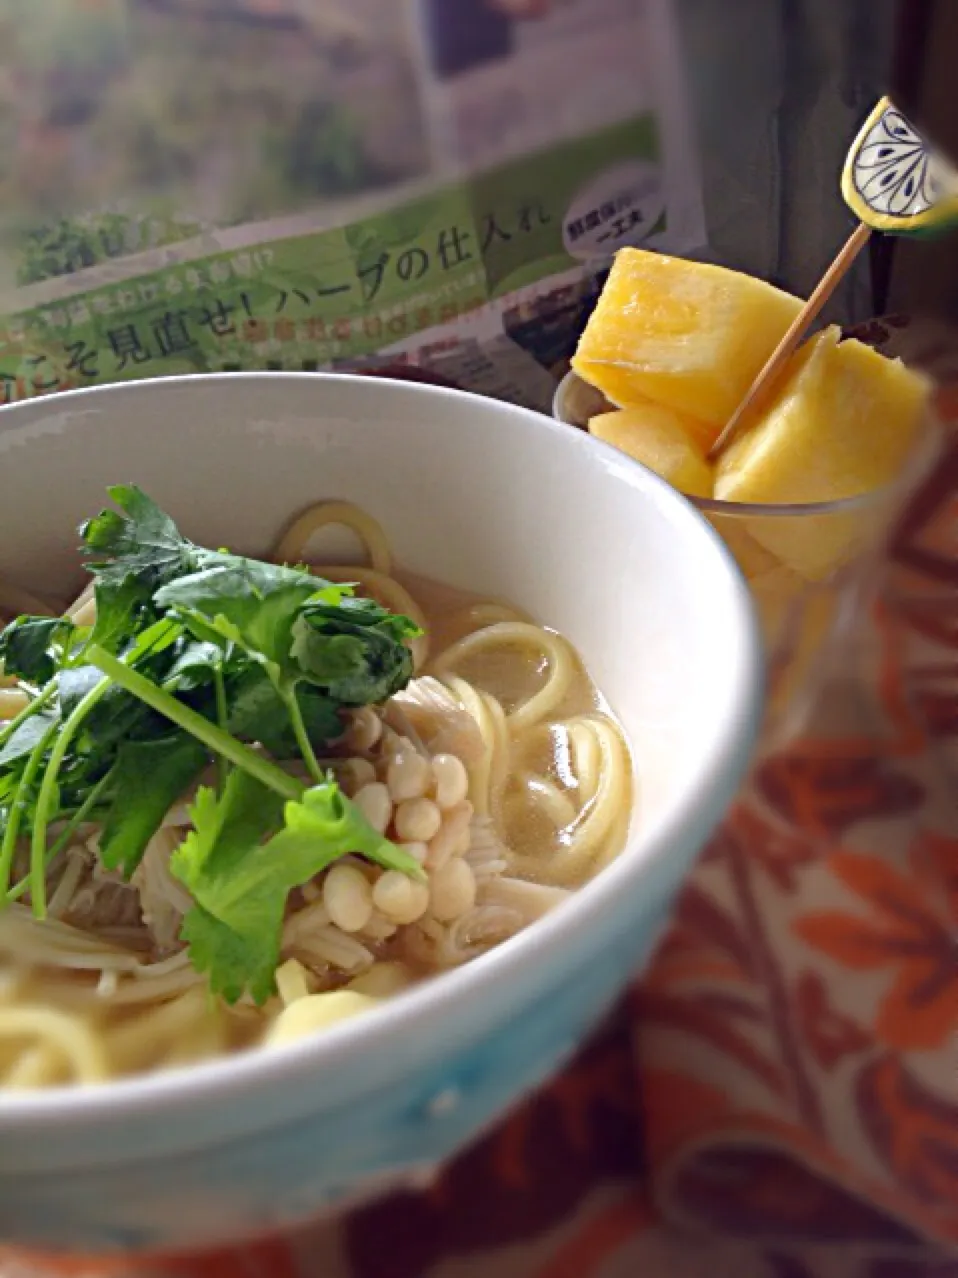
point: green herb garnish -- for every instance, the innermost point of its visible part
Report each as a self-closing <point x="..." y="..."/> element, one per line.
<point x="240" y="883"/>
<point x="197" y="657"/>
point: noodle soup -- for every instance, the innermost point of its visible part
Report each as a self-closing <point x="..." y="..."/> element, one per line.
<point x="490" y="782"/>
<point x="487" y="496"/>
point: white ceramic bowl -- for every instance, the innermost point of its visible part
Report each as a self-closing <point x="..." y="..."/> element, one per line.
<point x="481" y="495"/>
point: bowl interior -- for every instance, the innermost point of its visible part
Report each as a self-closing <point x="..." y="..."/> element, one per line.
<point x="488" y="497"/>
<point x="477" y="494"/>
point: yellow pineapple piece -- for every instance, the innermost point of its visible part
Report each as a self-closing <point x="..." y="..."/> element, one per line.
<point x="800" y="622"/>
<point x="774" y="587"/>
<point x="685" y="334"/>
<point x="702" y="434"/>
<point x="749" y="553"/>
<point x="659" y="439"/>
<point x="842" y="425"/>
<point x="778" y="595"/>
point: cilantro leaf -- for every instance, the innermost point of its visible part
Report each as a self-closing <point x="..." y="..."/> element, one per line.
<point x="26" y="737"/>
<point x="195" y="665"/>
<point x="225" y="828"/>
<point x="131" y="555"/>
<point x="220" y="578"/>
<point x="352" y="652"/>
<point x="73" y="684"/>
<point x="245" y="602"/>
<point x="233" y="962"/>
<point x="119" y="605"/>
<point x="154" y="640"/>
<point x="240" y="883"/>
<point x="257" y="712"/>
<point x="116" y="717"/>
<point x="147" y="779"/>
<point x="320" y="715"/>
<point x="355" y="649"/>
<point x="320" y="828"/>
<point x="143" y="543"/>
<point x="119" y="716"/>
<point x="25" y="647"/>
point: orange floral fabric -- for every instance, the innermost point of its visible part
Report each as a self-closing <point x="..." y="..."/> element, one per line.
<point x="810" y="978"/>
<point x="778" y="1098"/>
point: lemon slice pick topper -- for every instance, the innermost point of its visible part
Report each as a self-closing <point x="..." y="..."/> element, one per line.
<point x="894" y="180"/>
<point x="895" y="183"/>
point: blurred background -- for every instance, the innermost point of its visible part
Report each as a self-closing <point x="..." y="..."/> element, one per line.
<point x="345" y="183"/>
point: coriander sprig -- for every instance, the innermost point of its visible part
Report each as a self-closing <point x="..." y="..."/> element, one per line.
<point x="197" y="657"/>
<point x="204" y="730"/>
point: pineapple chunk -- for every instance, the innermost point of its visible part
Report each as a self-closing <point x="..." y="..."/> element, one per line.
<point x="842" y="425"/>
<point x="685" y="334"/>
<point x="641" y="409"/>
<point x="778" y="599"/>
<point x="749" y="553"/>
<point x="799" y="629"/>
<point x="777" y="590"/>
<point x="659" y="439"/>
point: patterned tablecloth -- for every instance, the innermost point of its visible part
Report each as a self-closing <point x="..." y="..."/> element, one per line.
<point x="778" y="1098"/>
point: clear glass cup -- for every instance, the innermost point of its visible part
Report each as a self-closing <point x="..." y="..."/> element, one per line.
<point x="808" y="603"/>
<point x="813" y="569"/>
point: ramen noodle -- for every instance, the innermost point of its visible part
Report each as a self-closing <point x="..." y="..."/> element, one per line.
<point x="498" y="767"/>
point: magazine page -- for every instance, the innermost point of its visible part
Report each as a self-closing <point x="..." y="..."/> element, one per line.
<point x="219" y="185"/>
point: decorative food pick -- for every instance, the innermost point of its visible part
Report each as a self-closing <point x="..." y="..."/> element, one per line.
<point x="894" y="182"/>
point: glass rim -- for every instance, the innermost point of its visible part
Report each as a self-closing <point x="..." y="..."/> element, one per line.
<point x="916" y="467"/>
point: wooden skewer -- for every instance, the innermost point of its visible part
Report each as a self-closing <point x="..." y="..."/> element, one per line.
<point x="809" y="313"/>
